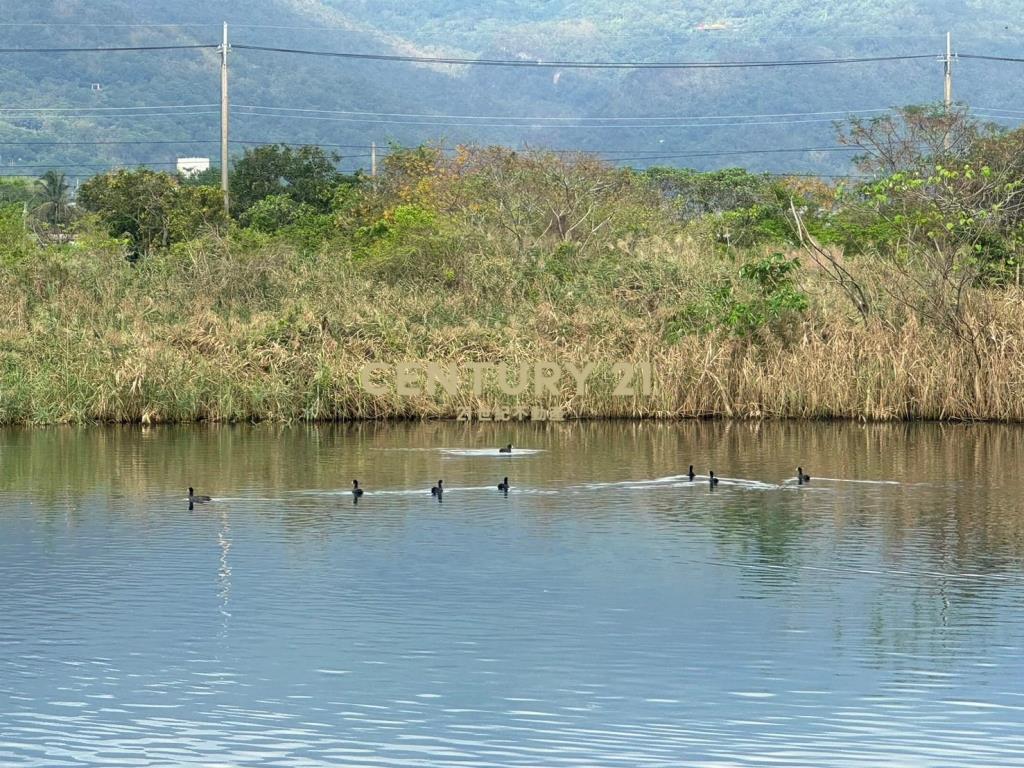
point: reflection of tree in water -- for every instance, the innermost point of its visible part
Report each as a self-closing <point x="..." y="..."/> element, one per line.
<point x="759" y="530"/>
<point x="941" y="618"/>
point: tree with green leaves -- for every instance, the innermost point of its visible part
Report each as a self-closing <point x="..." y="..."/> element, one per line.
<point x="152" y="210"/>
<point x="744" y="208"/>
<point x="54" y="206"/>
<point x="306" y="174"/>
<point x="208" y="178"/>
<point x="18" y="190"/>
<point x="913" y="138"/>
<point x="698" y="193"/>
<point x="941" y="219"/>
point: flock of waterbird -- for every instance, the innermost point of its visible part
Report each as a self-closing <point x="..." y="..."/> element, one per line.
<point x="437" y="491"/>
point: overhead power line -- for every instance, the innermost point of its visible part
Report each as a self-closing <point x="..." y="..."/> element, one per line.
<point x="110" y="166"/>
<point x="539" y="63"/>
<point x="11" y="170"/>
<point x="587" y="126"/>
<point x="640" y="154"/>
<point x="507" y="122"/>
<point x="48" y="110"/>
<point x="69" y="164"/>
<point x="664" y="152"/>
<point x="988" y="116"/>
<point x="976" y="110"/>
<point x="637" y="156"/>
<point x="117" y="142"/>
<point x="583" y="64"/>
<point x="990" y="58"/>
<point x="328" y="27"/>
<point x="110" y="49"/>
<point x="7" y="111"/>
<point x="262" y="142"/>
<point x="103" y="143"/>
<point x="107" y="115"/>
<point x="559" y="118"/>
<point x="101" y="26"/>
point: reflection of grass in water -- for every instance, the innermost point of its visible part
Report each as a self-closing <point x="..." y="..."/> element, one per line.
<point x="967" y="517"/>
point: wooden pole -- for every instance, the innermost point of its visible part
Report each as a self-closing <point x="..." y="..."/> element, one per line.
<point x="224" y="116"/>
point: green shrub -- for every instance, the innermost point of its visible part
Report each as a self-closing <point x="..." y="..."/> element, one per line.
<point x="763" y="298"/>
<point x="16" y="242"/>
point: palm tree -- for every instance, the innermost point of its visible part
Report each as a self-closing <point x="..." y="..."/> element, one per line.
<point x="55" y="202"/>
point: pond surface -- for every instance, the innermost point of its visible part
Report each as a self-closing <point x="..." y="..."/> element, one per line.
<point x="606" y="612"/>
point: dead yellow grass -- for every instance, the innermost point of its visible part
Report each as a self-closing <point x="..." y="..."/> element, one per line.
<point x="208" y="333"/>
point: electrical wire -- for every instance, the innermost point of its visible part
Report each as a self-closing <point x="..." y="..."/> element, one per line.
<point x="113" y="49"/>
<point x="996" y="109"/>
<point x="382" y="148"/>
<point x="589" y="126"/>
<point x="683" y="155"/>
<point x="637" y="154"/>
<point x="50" y="110"/>
<point x="101" y="26"/>
<point x="126" y="164"/>
<point x="104" y="143"/>
<point x="584" y="64"/>
<point x="1012" y="59"/>
<point x="569" y="118"/>
<point x="117" y="114"/>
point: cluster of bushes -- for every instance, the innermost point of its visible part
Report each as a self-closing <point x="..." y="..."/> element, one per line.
<point x="297" y="192"/>
<point x="44" y="203"/>
<point x="942" y="200"/>
<point x="274" y="188"/>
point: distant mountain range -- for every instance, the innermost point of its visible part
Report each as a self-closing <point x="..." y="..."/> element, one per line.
<point x="166" y="101"/>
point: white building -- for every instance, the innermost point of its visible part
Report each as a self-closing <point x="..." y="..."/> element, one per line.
<point x="190" y="166"/>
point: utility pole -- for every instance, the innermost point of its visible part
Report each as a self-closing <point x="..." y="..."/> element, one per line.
<point x="373" y="159"/>
<point x="948" y="91"/>
<point x="224" y="114"/>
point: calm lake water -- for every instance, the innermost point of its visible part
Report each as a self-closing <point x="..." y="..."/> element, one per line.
<point x="607" y="612"/>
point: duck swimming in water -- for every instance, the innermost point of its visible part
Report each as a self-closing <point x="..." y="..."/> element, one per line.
<point x="437" y="490"/>
<point x="193" y="499"/>
<point x="801" y="478"/>
<point x="690" y="473"/>
<point x="356" y="490"/>
<point x="712" y="480"/>
<point x="503" y="485"/>
<point x="506" y="449"/>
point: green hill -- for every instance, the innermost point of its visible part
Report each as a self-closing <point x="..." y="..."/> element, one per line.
<point x="400" y="95"/>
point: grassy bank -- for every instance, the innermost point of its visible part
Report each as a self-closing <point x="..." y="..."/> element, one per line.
<point x="224" y="332"/>
<point x="237" y="324"/>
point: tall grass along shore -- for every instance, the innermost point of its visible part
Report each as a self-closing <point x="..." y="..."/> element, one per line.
<point x="750" y="296"/>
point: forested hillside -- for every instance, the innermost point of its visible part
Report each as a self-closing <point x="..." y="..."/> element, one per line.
<point x="379" y="101"/>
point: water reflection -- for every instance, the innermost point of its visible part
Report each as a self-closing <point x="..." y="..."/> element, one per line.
<point x="224" y="572"/>
<point x="605" y="611"/>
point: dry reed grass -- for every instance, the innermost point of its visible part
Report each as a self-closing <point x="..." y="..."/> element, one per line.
<point x="214" y="331"/>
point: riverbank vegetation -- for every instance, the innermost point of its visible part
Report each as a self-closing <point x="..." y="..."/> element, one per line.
<point x="892" y="295"/>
